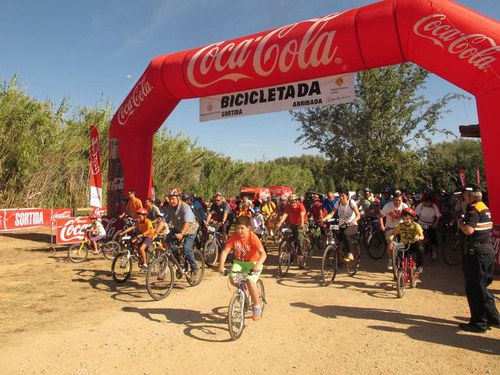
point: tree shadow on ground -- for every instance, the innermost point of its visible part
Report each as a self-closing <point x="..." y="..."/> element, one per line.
<point x="422" y="328"/>
<point x="198" y="325"/>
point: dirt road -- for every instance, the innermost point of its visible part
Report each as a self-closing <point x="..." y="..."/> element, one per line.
<point x="63" y="318"/>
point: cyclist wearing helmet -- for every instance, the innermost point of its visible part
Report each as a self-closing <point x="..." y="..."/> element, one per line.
<point x="411" y="233"/>
<point x="295" y="212"/>
<point x="391" y="212"/>
<point x="428" y="218"/>
<point x="145" y="236"/>
<point x="96" y="231"/>
<point x="366" y="201"/>
<point x="348" y="214"/>
<point x="386" y="196"/>
<point x="184" y="225"/>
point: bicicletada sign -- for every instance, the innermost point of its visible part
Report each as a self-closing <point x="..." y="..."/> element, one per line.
<point x="297" y="95"/>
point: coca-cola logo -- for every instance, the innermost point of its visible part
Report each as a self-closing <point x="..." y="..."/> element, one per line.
<point x="116" y="184"/>
<point x="73" y="230"/>
<point x="477" y="49"/>
<point x="141" y="91"/>
<point x="99" y="211"/>
<point x="265" y="54"/>
<point x="95" y="156"/>
<point x="62" y="215"/>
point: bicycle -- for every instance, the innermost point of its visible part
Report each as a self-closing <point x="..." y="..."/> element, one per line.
<point x="78" y="252"/>
<point x="335" y="249"/>
<point x="241" y="302"/>
<point x="213" y="245"/>
<point x="121" y="267"/>
<point x="372" y="237"/>
<point x="289" y="251"/>
<point x="160" y="273"/>
<point x="405" y="267"/>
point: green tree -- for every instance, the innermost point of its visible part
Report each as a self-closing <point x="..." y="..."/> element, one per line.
<point x="443" y="160"/>
<point x="367" y="141"/>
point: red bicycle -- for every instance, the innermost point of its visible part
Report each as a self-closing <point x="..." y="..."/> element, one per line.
<point x="405" y="267"/>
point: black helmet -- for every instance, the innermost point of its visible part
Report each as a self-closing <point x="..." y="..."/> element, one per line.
<point x="386" y="190"/>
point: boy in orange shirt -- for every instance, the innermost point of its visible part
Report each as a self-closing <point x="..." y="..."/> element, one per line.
<point x="249" y="255"/>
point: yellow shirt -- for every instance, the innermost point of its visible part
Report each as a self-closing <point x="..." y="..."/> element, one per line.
<point x="146" y="228"/>
<point x="408" y="233"/>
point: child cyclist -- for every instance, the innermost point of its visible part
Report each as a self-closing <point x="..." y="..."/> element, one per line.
<point x="96" y="231"/>
<point x="410" y="232"/>
<point x="249" y="255"/>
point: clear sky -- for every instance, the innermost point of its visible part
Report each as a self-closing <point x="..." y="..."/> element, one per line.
<point x="93" y="49"/>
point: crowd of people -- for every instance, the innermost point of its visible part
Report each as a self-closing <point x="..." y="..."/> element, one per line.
<point x="412" y="218"/>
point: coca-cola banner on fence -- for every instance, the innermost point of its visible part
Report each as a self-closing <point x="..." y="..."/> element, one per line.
<point x="27" y="218"/>
<point x="72" y="230"/>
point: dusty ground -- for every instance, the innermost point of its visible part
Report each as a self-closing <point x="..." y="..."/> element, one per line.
<point x="63" y="318"/>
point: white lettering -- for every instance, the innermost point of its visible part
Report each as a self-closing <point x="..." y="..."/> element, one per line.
<point x="476" y="49"/>
<point x="221" y="61"/>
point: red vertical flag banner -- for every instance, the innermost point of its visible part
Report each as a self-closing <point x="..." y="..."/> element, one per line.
<point x="95" y="175"/>
<point x="478" y="176"/>
<point x="463" y="179"/>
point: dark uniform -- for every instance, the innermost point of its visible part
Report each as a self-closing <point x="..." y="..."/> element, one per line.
<point x="478" y="263"/>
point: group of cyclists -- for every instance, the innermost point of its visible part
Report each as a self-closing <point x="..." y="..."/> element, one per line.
<point x="183" y="217"/>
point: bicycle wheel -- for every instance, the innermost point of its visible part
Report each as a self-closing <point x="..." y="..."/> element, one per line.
<point x="78" y="252"/>
<point x="121" y="267"/>
<point x="306" y="249"/>
<point x="110" y="249"/>
<point x="376" y="246"/>
<point x="262" y="295"/>
<point x="452" y="251"/>
<point x="160" y="278"/>
<point x="413" y="277"/>
<point x="401" y="284"/>
<point x="236" y="314"/>
<point x="210" y="251"/>
<point x="329" y="264"/>
<point x="284" y="258"/>
<point x="397" y="262"/>
<point x="195" y="277"/>
<point x="353" y="266"/>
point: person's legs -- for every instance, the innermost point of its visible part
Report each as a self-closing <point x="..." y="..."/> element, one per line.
<point x="188" y="251"/>
<point x="387" y="234"/>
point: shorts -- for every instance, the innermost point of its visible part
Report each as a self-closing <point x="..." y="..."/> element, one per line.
<point x="96" y="237"/>
<point x="240" y="266"/>
<point x="388" y="232"/>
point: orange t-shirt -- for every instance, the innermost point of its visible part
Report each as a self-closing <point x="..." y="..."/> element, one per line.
<point x="245" y="249"/>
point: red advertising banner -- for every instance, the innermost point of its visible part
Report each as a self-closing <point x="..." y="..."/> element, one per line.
<point x="95" y="175"/>
<point x="463" y="179"/>
<point x="71" y="230"/>
<point x="27" y="218"/>
<point x="496" y="245"/>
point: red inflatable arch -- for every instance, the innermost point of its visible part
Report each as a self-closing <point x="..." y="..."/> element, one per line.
<point x="450" y="40"/>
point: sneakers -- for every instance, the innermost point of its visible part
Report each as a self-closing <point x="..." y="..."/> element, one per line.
<point x="257" y="313"/>
<point x="143" y="266"/>
<point x="348" y="257"/>
<point x="420" y="269"/>
<point x="470" y="327"/>
<point x="389" y="265"/>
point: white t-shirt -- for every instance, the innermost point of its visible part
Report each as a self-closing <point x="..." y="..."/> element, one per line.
<point x="258" y="224"/>
<point x="392" y="214"/>
<point x="346" y="213"/>
<point x="427" y="215"/>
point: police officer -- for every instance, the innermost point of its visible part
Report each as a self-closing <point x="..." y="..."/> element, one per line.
<point x="478" y="262"/>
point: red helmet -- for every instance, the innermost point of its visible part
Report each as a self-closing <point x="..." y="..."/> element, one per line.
<point x="409" y="211"/>
<point x="142" y="211"/>
<point x="93" y="216"/>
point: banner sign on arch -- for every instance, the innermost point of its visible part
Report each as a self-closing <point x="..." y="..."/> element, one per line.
<point x="336" y="89"/>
